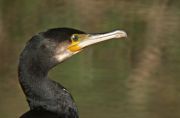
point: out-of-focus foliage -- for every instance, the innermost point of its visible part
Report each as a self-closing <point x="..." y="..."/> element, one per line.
<point x="134" y="78"/>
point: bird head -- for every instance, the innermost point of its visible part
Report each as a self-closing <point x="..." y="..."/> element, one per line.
<point x="72" y="41"/>
<point x="56" y="45"/>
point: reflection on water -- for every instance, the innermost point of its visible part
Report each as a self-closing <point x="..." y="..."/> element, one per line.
<point x="134" y="78"/>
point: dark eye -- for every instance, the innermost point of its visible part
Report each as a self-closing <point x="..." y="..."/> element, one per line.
<point x="75" y="38"/>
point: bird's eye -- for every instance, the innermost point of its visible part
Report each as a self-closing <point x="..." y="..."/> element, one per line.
<point x="75" y="38"/>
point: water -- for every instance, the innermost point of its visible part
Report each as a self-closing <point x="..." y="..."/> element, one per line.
<point x="133" y="78"/>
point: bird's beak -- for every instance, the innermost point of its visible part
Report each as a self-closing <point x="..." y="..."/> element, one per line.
<point x="90" y="39"/>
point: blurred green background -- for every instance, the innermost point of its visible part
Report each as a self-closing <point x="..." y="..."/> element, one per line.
<point x="134" y="78"/>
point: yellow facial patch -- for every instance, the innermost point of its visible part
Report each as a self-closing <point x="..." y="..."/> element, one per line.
<point x="75" y="40"/>
<point x="74" y="47"/>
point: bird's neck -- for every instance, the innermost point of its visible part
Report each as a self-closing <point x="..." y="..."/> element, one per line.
<point x="32" y="75"/>
<point x="32" y="70"/>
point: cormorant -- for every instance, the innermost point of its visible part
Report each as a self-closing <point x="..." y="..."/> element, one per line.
<point x="47" y="98"/>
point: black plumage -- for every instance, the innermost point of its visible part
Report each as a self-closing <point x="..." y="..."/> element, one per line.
<point x="46" y="98"/>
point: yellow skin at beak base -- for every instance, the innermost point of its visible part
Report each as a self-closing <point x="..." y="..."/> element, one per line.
<point x="74" y="47"/>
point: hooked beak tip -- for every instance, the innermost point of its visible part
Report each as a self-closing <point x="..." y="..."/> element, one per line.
<point x="120" y="34"/>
